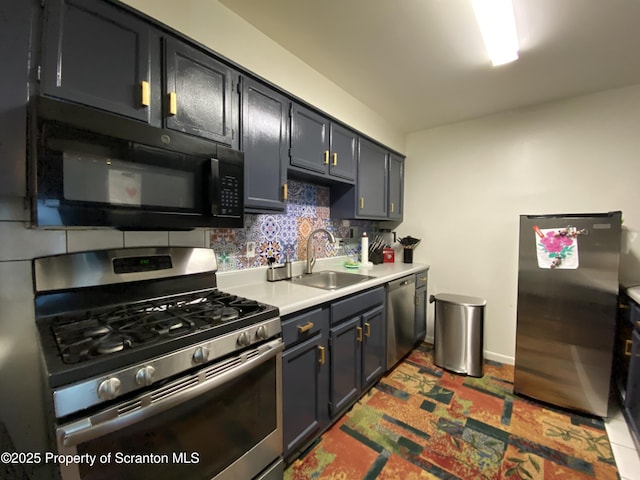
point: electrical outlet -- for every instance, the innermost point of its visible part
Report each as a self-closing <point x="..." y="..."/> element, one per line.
<point x="251" y="249"/>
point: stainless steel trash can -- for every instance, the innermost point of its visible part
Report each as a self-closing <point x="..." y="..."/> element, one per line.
<point x="459" y="333"/>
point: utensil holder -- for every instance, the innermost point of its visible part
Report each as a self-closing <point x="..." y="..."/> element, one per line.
<point x="408" y="255"/>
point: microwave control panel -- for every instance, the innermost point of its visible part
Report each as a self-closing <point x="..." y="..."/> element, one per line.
<point x="230" y="196"/>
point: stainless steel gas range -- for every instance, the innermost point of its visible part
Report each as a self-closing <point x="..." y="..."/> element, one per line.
<point x="152" y="372"/>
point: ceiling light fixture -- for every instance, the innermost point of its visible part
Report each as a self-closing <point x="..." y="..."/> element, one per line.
<point x="498" y="27"/>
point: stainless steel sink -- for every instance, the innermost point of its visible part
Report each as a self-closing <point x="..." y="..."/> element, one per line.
<point x="329" y="280"/>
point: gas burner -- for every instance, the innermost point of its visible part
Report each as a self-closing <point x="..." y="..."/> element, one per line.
<point x="229" y="313"/>
<point x="112" y="343"/>
<point x="96" y="331"/>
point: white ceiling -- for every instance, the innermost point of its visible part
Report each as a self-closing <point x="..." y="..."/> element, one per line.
<point x="421" y="63"/>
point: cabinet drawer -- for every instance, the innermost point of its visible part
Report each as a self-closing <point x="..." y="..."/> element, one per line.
<point x="421" y="279"/>
<point x="301" y="327"/>
<point x="355" y="304"/>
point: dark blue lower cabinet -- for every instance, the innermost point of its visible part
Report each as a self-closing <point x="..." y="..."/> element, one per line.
<point x="305" y="373"/>
<point x="373" y="346"/>
<point x="346" y="364"/>
<point x="333" y="354"/>
<point x="357" y="357"/>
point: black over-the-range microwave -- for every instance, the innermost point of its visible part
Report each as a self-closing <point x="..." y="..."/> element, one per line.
<point x="92" y="168"/>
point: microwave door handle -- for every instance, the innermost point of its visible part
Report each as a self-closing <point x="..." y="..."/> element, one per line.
<point x="85" y="430"/>
<point x="214" y="187"/>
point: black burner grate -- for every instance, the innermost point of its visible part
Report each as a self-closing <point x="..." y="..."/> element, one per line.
<point x="84" y="335"/>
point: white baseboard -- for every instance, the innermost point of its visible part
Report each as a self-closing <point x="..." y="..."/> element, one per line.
<point x="496" y="357"/>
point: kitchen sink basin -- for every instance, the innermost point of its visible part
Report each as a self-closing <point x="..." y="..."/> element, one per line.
<point x="329" y="280"/>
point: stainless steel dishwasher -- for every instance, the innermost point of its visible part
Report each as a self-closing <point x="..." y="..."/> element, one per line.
<point x="400" y="318"/>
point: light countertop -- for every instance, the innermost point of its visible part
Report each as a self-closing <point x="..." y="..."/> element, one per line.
<point x="634" y="293"/>
<point x="290" y="297"/>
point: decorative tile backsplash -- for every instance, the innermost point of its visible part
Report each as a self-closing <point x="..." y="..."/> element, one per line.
<point x="285" y="235"/>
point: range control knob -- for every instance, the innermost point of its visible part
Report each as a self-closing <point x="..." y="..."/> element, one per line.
<point x="244" y="340"/>
<point x="144" y="376"/>
<point x="201" y="355"/>
<point x="261" y="333"/>
<point x="109" y="388"/>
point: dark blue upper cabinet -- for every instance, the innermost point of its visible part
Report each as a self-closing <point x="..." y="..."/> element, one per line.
<point x="320" y="148"/>
<point x="396" y="187"/>
<point x="372" y="181"/>
<point x="379" y="191"/>
<point x="309" y="139"/>
<point x="98" y="55"/>
<point x="17" y="21"/>
<point x="198" y="93"/>
<point x="343" y="152"/>
<point x="264" y="140"/>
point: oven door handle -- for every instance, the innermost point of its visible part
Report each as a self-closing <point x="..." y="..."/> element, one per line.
<point x="166" y="397"/>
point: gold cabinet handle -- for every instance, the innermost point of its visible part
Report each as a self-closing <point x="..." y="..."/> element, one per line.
<point x="326" y="157"/>
<point x="145" y="93"/>
<point x="359" y="329"/>
<point x="367" y="326"/>
<point x="335" y="159"/>
<point x="393" y="207"/>
<point x="173" y="103"/>
<point x="627" y="348"/>
<point x="321" y="350"/>
<point x="285" y="192"/>
<point x="305" y="328"/>
<point x="422" y="279"/>
<point x="361" y="202"/>
<point x="417" y="300"/>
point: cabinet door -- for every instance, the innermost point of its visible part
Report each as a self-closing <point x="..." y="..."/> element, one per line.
<point x="372" y="180"/>
<point x="345" y="341"/>
<point x="309" y="139"/>
<point x="198" y="95"/>
<point x="421" y="315"/>
<point x="304" y="401"/>
<point x="264" y="140"/>
<point x="344" y="152"/>
<point x="632" y="399"/>
<point x="96" y="54"/>
<point x="374" y="345"/>
<point x="396" y="187"/>
<point x="17" y="17"/>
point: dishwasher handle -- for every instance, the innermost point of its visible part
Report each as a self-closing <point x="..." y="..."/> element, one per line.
<point x="401" y="282"/>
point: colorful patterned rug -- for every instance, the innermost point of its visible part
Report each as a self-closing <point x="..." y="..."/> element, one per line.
<point x="420" y="422"/>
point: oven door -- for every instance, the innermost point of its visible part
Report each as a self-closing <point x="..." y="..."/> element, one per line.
<point x="222" y="422"/>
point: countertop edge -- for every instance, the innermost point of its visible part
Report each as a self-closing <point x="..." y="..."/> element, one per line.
<point x="634" y="294"/>
<point x="291" y="298"/>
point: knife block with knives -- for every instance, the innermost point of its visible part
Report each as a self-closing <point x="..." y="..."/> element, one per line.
<point x="376" y="248"/>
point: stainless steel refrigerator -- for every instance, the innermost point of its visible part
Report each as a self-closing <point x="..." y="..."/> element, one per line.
<point x="567" y="299"/>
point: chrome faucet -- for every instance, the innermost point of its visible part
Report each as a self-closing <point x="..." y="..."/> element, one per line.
<point x="311" y="260"/>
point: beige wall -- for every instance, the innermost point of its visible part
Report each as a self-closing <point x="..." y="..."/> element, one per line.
<point x="467" y="184"/>
<point x="215" y="26"/>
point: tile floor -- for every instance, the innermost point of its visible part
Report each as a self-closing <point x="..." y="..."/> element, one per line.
<point x="624" y="451"/>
